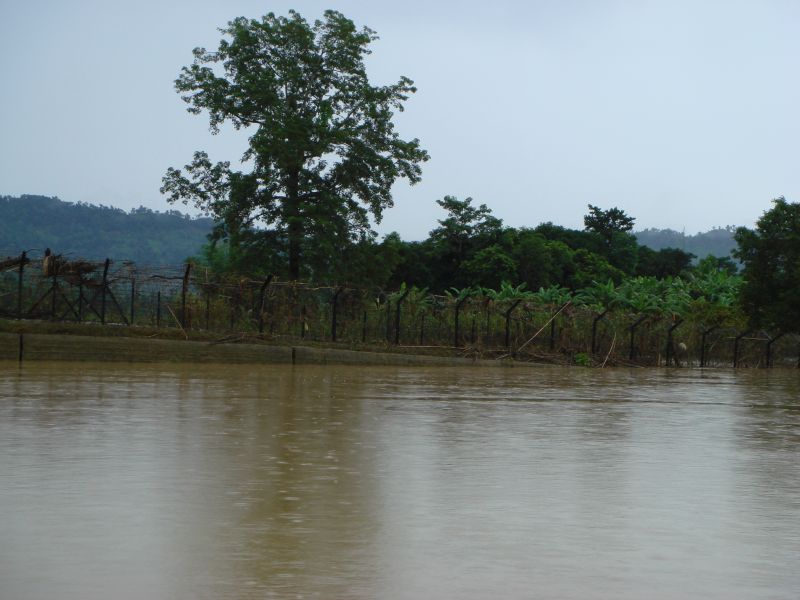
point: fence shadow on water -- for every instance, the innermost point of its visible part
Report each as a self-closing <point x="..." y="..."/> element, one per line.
<point x="191" y="299"/>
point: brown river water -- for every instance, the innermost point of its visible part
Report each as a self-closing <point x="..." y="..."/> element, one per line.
<point x="237" y="482"/>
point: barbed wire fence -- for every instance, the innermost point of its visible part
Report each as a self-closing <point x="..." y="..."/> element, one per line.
<point x="191" y="298"/>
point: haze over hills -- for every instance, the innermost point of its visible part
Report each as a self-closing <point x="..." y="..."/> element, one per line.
<point x="97" y="232"/>
<point x="79" y="230"/>
<point x="718" y="241"/>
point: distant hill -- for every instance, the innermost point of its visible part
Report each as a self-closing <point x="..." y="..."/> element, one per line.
<point x="98" y="232"/>
<point x="718" y="242"/>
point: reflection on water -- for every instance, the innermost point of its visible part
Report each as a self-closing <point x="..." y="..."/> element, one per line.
<point x="351" y="482"/>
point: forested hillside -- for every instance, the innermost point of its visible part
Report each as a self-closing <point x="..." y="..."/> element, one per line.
<point x="97" y="232"/>
<point x="718" y="242"/>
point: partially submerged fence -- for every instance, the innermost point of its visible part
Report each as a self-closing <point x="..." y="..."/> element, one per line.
<point x="190" y="298"/>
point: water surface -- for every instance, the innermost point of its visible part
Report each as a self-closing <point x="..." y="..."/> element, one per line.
<point x="164" y="481"/>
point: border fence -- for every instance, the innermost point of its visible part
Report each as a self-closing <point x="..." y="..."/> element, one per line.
<point x="191" y="298"/>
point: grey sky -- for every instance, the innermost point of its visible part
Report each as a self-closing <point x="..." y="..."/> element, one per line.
<point x="684" y="114"/>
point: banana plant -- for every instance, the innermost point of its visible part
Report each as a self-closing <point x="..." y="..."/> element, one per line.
<point x="553" y="296"/>
<point x="601" y="297"/>
<point x="508" y="292"/>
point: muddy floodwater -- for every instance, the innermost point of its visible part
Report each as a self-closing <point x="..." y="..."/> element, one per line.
<point x="236" y="482"/>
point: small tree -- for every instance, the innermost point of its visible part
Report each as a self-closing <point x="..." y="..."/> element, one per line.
<point x="324" y="152"/>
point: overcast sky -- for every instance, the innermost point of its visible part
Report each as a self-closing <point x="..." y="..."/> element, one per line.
<point x="684" y="114"/>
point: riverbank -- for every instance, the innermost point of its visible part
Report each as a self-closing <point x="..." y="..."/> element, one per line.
<point x="38" y="342"/>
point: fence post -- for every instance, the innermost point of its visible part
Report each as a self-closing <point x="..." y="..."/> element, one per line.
<point x="22" y="259"/>
<point x="488" y="339"/>
<point x="397" y="317"/>
<point x="508" y="322"/>
<point x="208" y="306"/>
<point x="364" y="329"/>
<point x="103" y="291"/>
<point x="669" y="352"/>
<point x="80" y="299"/>
<point x="263" y="294"/>
<point x="736" y="348"/>
<point x="768" y="351"/>
<point x="595" y="321"/>
<point x="53" y="289"/>
<point x="422" y="329"/>
<point x="158" y="309"/>
<point x="632" y="329"/>
<point x="388" y="320"/>
<point x="303" y="322"/>
<point x="334" y="307"/>
<point x="703" y="346"/>
<point x="184" y="288"/>
<point x="455" y="328"/>
<point x="133" y="298"/>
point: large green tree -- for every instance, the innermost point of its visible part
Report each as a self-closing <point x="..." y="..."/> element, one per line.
<point x="770" y="294"/>
<point x="613" y="226"/>
<point x="323" y="150"/>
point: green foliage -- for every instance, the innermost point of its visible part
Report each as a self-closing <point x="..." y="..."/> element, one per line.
<point x="582" y="359"/>
<point x="507" y="291"/>
<point x="489" y="267"/>
<point x="667" y="262"/>
<point x="600" y="297"/>
<point x="323" y="149"/>
<point x="606" y="223"/>
<point x="553" y="296"/>
<point x="770" y="293"/>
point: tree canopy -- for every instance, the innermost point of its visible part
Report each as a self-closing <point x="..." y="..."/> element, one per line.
<point x="324" y="151"/>
<point x="771" y="258"/>
<point x="607" y="222"/>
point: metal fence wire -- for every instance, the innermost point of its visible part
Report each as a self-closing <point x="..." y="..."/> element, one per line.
<point x="192" y="298"/>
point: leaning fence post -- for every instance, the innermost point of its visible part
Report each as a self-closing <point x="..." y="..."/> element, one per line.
<point x="455" y="328"/>
<point x="595" y="321"/>
<point x="768" y="351"/>
<point x="262" y="297"/>
<point x="736" y="348"/>
<point x="397" y="317"/>
<point x="632" y="328"/>
<point x="334" y="306"/>
<point x="184" y="288"/>
<point x="103" y="291"/>
<point x="668" y="352"/>
<point x="508" y="322"/>
<point x="703" y="346"/>
<point x="22" y="259"/>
